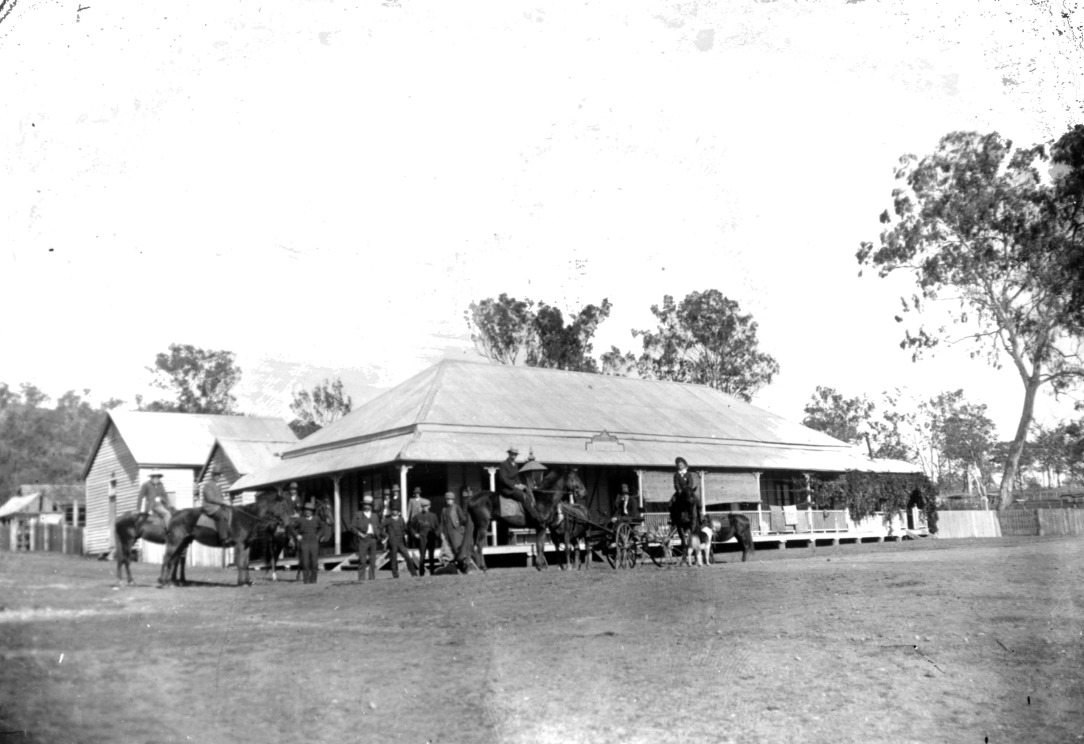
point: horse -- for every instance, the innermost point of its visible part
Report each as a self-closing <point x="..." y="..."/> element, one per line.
<point x="484" y="506"/>
<point x="570" y="528"/>
<point x="684" y="511"/>
<point x="736" y="526"/>
<point x="247" y="523"/>
<point x="272" y="544"/>
<point x="133" y="526"/>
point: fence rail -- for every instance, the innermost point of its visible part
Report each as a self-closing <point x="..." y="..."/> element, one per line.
<point x="1060" y="521"/>
<point x="1019" y="522"/>
<point x="20" y="535"/>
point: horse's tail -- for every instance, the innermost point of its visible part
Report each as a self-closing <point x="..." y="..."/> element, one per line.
<point x="743" y="529"/>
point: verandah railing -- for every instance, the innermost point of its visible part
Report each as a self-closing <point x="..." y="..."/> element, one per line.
<point x="825" y="522"/>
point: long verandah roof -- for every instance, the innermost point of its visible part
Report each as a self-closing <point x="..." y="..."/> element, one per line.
<point x="470" y="412"/>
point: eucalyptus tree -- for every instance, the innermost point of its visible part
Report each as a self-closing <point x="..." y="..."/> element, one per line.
<point x="703" y="339"/>
<point x="314" y="409"/>
<point x="984" y="228"/>
<point x="511" y="331"/>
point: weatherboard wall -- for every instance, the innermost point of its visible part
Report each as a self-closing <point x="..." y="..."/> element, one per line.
<point x="112" y="461"/>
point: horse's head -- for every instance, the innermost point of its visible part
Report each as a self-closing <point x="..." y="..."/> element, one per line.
<point x="274" y="508"/>
<point x="573" y="485"/>
<point x="561" y="482"/>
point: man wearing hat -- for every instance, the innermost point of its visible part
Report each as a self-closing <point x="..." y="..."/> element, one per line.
<point x="425" y="525"/>
<point x="453" y="523"/>
<point x="310" y="531"/>
<point x="625" y="507"/>
<point x="367" y="527"/>
<point x="508" y="484"/>
<point x="394" y="528"/>
<point x="153" y="497"/>
<point x="215" y="506"/>
<point x="415" y="503"/>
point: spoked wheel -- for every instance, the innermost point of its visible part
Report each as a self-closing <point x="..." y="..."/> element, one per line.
<point x="662" y="552"/>
<point x="625" y="556"/>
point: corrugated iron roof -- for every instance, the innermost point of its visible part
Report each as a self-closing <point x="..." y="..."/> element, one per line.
<point x="338" y="460"/>
<point x="16" y="504"/>
<point x="468" y="412"/>
<point x="248" y="456"/>
<point x="500" y="397"/>
<point x="184" y="439"/>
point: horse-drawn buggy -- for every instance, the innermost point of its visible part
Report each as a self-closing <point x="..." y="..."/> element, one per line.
<point x="623" y="542"/>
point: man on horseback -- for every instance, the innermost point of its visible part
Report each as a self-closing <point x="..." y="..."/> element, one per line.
<point x="154" y="499"/>
<point x="215" y="506"/>
<point x="508" y="485"/>
<point x="684" y="480"/>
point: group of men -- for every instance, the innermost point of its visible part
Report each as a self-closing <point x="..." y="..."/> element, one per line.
<point x="370" y="529"/>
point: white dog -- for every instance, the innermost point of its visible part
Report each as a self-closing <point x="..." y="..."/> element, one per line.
<point x="702" y="551"/>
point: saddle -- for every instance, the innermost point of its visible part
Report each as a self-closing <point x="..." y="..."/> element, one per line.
<point x="510" y="508"/>
<point x="207" y="521"/>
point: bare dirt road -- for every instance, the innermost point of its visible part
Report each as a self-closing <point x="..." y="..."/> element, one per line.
<point x="930" y="641"/>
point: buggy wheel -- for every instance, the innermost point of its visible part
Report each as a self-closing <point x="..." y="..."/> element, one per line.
<point x="623" y="546"/>
<point x="662" y="552"/>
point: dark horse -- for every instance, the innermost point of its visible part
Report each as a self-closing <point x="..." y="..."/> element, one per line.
<point x="484" y="506"/>
<point x="132" y="527"/>
<point x="684" y="516"/>
<point x="736" y="526"/>
<point x="571" y="526"/>
<point x="247" y="523"/>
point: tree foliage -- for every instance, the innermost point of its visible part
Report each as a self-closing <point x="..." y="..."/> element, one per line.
<point x="961" y="437"/>
<point x="45" y="445"/>
<point x="511" y="331"/>
<point x="846" y="419"/>
<point x="201" y="380"/>
<point x="314" y="409"/>
<point x="704" y="339"/>
<point x="864" y="494"/>
<point x="979" y="228"/>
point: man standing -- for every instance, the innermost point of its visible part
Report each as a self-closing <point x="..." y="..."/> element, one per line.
<point x="414" y="505"/>
<point x="153" y="498"/>
<point x="453" y="522"/>
<point x="367" y="527"/>
<point x="310" y="531"/>
<point x="395" y="498"/>
<point x="508" y="484"/>
<point x="426" y="528"/>
<point x="395" y="529"/>
<point x="215" y="506"/>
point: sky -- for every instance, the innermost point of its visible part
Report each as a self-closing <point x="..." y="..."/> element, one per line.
<point x="323" y="188"/>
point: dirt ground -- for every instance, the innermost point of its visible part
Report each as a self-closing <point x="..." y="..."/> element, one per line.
<point x="926" y="641"/>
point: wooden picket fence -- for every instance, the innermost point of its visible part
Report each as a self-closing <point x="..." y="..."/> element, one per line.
<point x="21" y="535"/>
<point x="1019" y="522"/>
<point x="1060" y="521"/>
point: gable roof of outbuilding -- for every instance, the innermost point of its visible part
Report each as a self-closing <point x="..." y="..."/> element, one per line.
<point x="184" y="439"/>
<point x="460" y="411"/>
<point x="248" y="456"/>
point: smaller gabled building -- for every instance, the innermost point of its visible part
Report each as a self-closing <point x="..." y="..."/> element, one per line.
<point x="133" y="444"/>
<point x="239" y="457"/>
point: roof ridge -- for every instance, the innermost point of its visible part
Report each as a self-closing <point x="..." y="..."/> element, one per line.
<point x="430" y="396"/>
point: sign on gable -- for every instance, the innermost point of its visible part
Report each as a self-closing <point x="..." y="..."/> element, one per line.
<point x="604" y="442"/>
